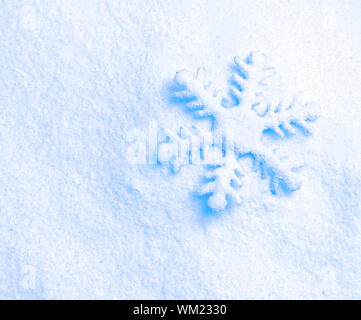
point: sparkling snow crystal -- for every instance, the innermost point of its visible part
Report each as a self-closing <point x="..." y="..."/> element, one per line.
<point x="237" y="120"/>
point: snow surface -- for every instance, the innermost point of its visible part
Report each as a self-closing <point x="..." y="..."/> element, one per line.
<point x="78" y="220"/>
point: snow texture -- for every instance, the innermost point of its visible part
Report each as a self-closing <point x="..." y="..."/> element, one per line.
<point x="84" y="83"/>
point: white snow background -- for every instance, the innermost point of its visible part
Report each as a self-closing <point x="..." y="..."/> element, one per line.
<point x="78" y="221"/>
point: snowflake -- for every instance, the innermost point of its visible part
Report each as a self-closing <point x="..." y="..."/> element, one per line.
<point x="238" y="119"/>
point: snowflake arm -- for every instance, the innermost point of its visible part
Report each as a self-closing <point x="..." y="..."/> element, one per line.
<point x="205" y="100"/>
<point x="278" y="169"/>
<point x="249" y="79"/>
<point x="226" y="181"/>
<point x="286" y="117"/>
